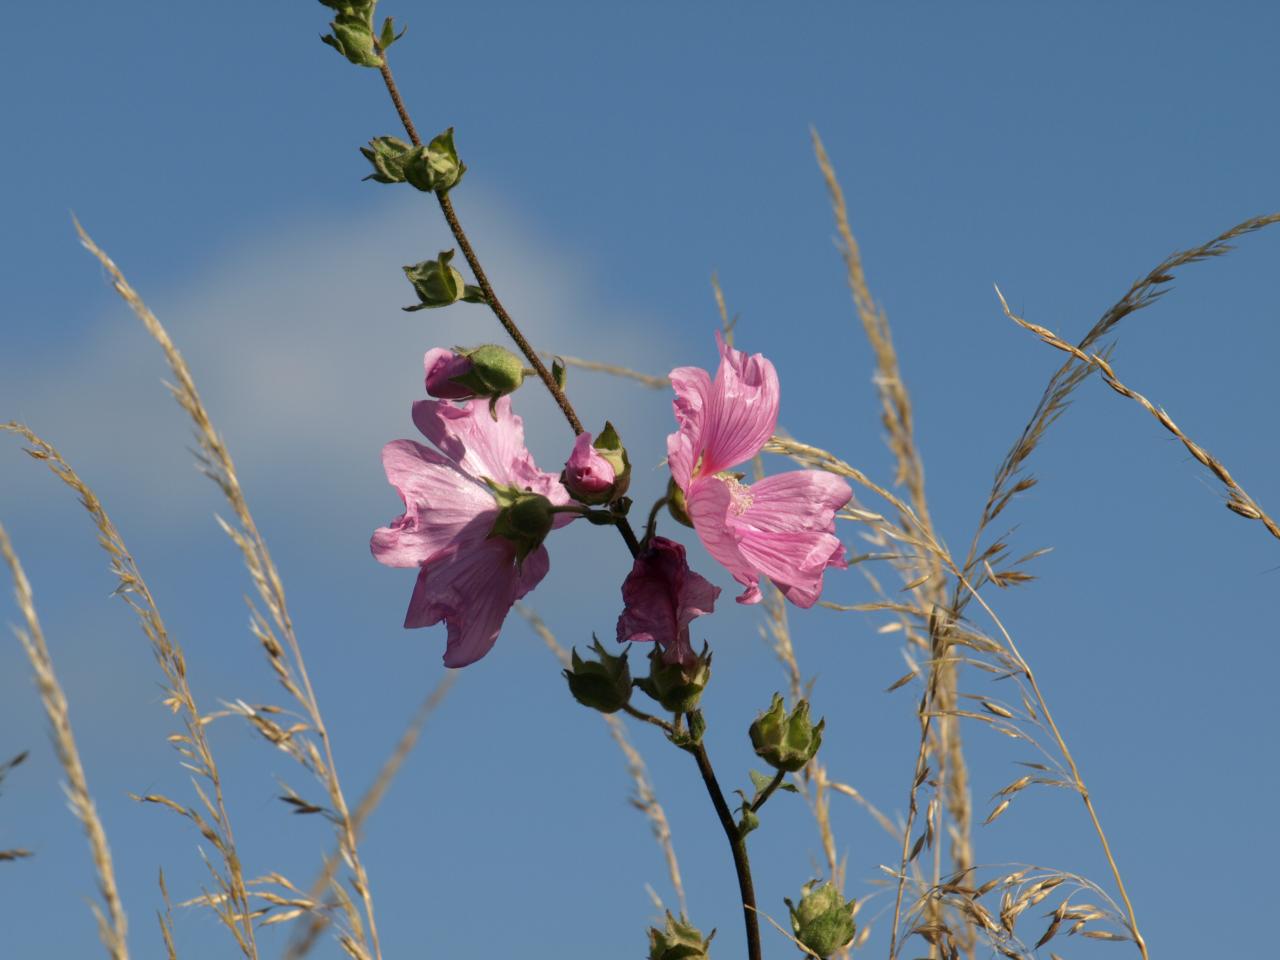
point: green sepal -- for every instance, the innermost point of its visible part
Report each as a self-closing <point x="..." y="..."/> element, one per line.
<point x="678" y="688"/>
<point x="524" y="518"/>
<point x="435" y="167"/>
<point x="388" y="156"/>
<point x="389" y="35"/>
<point x="473" y="294"/>
<point x="558" y="372"/>
<point x="676" y="505"/>
<point x="786" y="741"/>
<point x="823" y="921"/>
<point x="749" y="821"/>
<point x="436" y="283"/>
<point x="679" y="940"/>
<point x="759" y="780"/>
<point x="352" y="35"/>
<point x="602" y="684"/>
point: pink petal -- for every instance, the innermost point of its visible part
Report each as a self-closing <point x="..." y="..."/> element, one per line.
<point x="472" y="588"/>
<point x="796" y="500"/>
<point x="741" y="412"/>
<point x="470" y="437"/>
<point x="795" y="562"/>
<point x="441" y="367"/>
<point x="441" y="505"/>
<point x="692" y="387"/>
<point x="709" y="504"/>
<point x="586" y="472"/>
<point x="661" y="597"/>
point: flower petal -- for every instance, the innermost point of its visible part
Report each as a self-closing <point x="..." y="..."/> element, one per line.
<point x="470" y="437"/>
<point x="441" y="503"/>
<point x="471" y="588"/>
<point x="796" y="500"/>
<point x="709" y="504"/>
<point x="692" y="386"/>
<point x="741" y="410"/>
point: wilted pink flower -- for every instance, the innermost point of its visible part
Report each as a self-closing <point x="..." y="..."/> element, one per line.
<point x="661" y="597"/>
<point x="465" y="578"/>
<point x="442" y="367"/>
<point x="781" y="527"/>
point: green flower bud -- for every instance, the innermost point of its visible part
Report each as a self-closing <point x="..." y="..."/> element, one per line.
<point x="786" y="741"/>
<point x="437" y="284"/>
<point x="676" y="686"/>
<point x="680" y="940"/>
<point x="352" y="34"/>
<point x="603" y="684"/>
<point x="824" y="920"/>
<point x="388" y="155"/>
<point x="524" y="518"/>
<point x="436" y="166"/>
<point x="495" y="371"/>
<point x="676" y="505"/>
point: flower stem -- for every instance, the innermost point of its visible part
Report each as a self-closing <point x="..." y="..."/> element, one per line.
<point x="490" y="297"/>
<point x="649" y="718"/>
<point x="737" y="844"/>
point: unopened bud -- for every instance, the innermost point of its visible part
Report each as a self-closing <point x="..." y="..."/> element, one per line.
<point x="388" y="156"/>
<point x="602" y="684"/>
<point x="823" y="921"/>
<point x="352" y="31"/>
<point x="786" y="741"/>
<point x="598" y="472"/>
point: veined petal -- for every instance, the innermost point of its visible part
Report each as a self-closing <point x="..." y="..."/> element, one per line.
<point x="692" y="387"/>
<point x="470" y="437"/>
<point x="741" y="410"/>
<point x="472" y="588"/>
<point x="796" y="500"/>
<point x="709" y="503"/>
<point x="794" y="561"/>
<point x="442" y="506"/>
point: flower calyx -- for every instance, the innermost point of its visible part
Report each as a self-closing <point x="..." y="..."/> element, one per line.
<point x="524" y="518"/>
<point x="677" y="686"/>
<point x="352" y="31"/>
<point x="679" y="940"/>
<point x="488" y="371"/>
<point x="603" y="683"/>
<point x="823" y="920"/>
<point x="786" y="741"/>
<point x="438" y="284"/>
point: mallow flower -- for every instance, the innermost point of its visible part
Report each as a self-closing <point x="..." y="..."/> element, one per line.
<point x="476" y="509"/>
<point x="661" y="596"/>
<point x="781" y="527"/>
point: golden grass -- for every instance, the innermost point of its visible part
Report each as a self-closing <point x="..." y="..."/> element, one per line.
<point x="214" y="823"/>
<point x="113" y="927"/>
<point x="360" y="938"/>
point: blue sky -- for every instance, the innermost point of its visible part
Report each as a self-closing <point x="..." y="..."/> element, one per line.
<point x="617" y="158"/>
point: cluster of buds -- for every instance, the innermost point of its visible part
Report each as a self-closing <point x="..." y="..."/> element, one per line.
<point x="353" y="35"/>
<point x="823" y="921"/>
<point x="679" y="940"/>
<point x="432" y="168"/>
<point x="603" y="684"/>
<point x="597" y="472"/>
<point x="438" y="284"/>
<point x="786" y="741"/>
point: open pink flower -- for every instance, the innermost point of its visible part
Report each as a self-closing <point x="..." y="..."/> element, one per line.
<point x="661" y="597"/>
<point x="781" y="527"/>
<point x="465" y="578"/>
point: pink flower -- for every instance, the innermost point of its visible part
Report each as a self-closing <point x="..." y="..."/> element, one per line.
<point x="465" y="578"/>
<point x="781" y="527"/>
<point x="442" y="366"/>
<point x="661" y="597"/>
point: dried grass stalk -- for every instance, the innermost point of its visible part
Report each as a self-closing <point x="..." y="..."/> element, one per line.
<point x="112" y="925"/>
<point x="285" y="658"/>
<point x="192" y="744"/>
